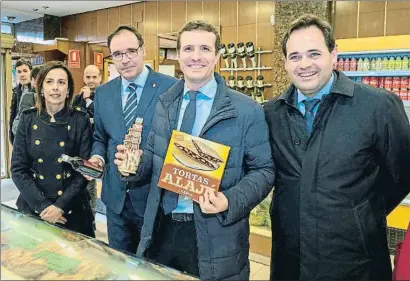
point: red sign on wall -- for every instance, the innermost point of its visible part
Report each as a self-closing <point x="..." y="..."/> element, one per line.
<point x="99" y="59"/>
<point x="74" y="59"/>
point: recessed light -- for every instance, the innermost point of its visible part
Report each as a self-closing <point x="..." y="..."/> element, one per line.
<point x="35" y="10"/>
<point x="11" y="18"/>
<point x="46" y="7"/>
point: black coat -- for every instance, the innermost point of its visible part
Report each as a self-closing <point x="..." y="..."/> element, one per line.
<point x="81" y="102"/>
<point x="15" y="102"/>
<point x="40" y="175"/>
<point x="334" y="188"/>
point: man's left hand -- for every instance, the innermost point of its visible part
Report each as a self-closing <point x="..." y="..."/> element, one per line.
<point x="213" y="203"/>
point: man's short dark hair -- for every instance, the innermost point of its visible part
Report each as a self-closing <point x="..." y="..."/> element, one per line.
<point x="21" y="62"/>
<point x="34" y="72"/>
<point x="128" y="28"/>
<point x="306" y="21"/>
<point x="199" y="25"/>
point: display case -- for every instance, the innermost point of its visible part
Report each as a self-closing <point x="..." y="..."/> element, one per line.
<point x="35" y="250"/>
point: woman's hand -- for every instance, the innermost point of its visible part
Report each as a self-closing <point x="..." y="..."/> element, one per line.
<point x="53" y="214"/>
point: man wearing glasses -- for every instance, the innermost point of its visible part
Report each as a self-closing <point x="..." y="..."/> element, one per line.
<point x="116" y="105"/>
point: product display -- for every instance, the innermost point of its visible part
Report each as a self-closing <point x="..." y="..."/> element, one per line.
<point x="224" y="54"/>
<point x="260" y="87"/>
<point x="242" y="53"/>
<point x="35" y="250"/>
<point x="232" y="54"/>
<point x="250" y="49"/>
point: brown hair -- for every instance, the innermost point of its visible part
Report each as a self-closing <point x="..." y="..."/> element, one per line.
<point x="199" y="25"/>
<point x="306" y="21"/>
<point x="122" y="28"/>
<point x="21" y="62"/>
<point x="40" y="102"/>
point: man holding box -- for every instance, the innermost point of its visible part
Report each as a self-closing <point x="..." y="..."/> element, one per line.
<point x="209" y="239"/>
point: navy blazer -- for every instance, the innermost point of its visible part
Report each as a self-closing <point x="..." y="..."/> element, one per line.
<point x="110" y="129"/>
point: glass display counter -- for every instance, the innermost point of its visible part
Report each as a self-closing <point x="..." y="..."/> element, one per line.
<point x="36" y="250"/>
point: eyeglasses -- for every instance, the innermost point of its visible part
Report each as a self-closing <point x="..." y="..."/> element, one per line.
<point x="130" y="53"/>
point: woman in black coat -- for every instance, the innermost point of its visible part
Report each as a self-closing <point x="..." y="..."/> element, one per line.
<point x="50" y="188"/>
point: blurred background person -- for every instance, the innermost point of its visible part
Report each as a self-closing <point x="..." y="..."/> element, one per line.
<point x="23" y="70"/>
<point x="28" y="99"/>
<point x="92" y="79"/>
<point x="50" y="188"/>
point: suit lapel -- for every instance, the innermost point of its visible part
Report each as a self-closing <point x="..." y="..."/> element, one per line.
<point x="148" y="94"/>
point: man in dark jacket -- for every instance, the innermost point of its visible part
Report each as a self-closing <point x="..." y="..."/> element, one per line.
<point x="23" y="70"/>
<point x="27" y="100"/>
<point x="209" y="239"/>
<point x="342" y="152"/>
<point x="92" y="79"/>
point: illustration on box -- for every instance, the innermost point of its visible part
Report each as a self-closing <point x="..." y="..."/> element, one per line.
<point x="193" y="165"/>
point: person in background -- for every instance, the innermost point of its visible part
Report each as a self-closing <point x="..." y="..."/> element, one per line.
<point x="116" y="106"/>
<point x="49" y="188"/>
<point x="210" y="239"/>
<point x="342" y="153"/>
<point x="28" y="99"/>
<point x="92" y="79"/>
<point x="23" y="70"/>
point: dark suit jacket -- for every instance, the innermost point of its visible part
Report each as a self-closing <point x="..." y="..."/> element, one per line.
<point x="110" y="129"/>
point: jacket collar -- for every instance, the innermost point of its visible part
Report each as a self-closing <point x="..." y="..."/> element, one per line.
<point x="59" y="117"/>
<point x="342" y="86"/>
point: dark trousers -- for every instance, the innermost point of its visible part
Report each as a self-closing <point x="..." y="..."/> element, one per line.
<point x="175" y="245"/>
<point x="124" y="230"/>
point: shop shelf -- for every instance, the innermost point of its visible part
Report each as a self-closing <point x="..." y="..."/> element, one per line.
<point x="388" y="73"/>
<point x="378" y="52"/>
<point x="246" y="69"/>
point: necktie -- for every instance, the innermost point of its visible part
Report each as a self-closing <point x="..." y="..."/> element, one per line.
<point x="170" y="199"/>
<point x="309" y="116"/>
<point x="130" y="105"/>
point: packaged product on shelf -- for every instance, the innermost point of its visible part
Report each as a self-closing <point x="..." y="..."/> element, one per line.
<point x="340" y="63"/>
<point x="403" y="94"/>
<point x="396" y="83"/>
<point x="373" y="64"/>
<point x="360" y="64"/>
<point x="366" y="80"/>
<point x="405" y="65"/>
<point x="374" y="82"/>
<point x="381" y="82"/>
<point x="385" y="63"/>
<point x="379" y="64"/>
<point x="346" y="64"/>
<point x="398" y="63"/>
<point x="404" y="82"/>
<point x="392" y="63"/>
<point x="366" y="64"/>
<point x="388" y="83"/>
<point x="353" y="64"/>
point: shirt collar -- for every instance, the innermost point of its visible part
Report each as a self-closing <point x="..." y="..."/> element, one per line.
<point x="207" y="91"/>
<point x="319" y="95"/>
<point x="139" y="81"/>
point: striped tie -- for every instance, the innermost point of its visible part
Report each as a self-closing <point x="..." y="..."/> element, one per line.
<point x="130" y="105"/>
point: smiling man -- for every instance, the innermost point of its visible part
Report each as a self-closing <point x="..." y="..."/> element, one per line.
<point x="209" y="239"/>
<point x="341" y="151"/>
<point x="116" y="106"/>
<point x="23" y="71"/>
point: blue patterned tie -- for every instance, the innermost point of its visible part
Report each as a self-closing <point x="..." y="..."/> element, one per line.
<point x="170" y="199"/>
<point x="131" y="105"/>
<point x="309" y="116"/>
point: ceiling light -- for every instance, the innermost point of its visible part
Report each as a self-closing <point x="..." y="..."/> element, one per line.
<point x="35" y="10"/>
<point x="11" y="18"/>
<point x="46" y="7"/>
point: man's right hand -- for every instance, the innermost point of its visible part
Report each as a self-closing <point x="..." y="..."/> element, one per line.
<point x="96" y="161"/>
<point x="86" y="92"/>
<point x="120" y="158"/>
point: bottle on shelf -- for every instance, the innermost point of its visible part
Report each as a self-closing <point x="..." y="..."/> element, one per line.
<point x="240" y="86"/>
<point x="259" y="96"/>
<point x="353" y="64"/>
<point x="405" y="63"/>
<point x="385" y="63"/>
<point x="392" y="63"/>
<point x="379" y="64"/>
<point x="250" y="89"/>
<point x="83" y="166"/>
<point x="360" y="64"/>
<point x="366" y="64"/>
<point x="346" y="64"/>
<point x="373" y="64"/>
<point x="398" y="63"/>
<point x="231" y="82"/>
<point x="224" y="55"/>
<point x="242" y="53"/>
<point x="232" y="54"/>
<point x="250" y="50"/>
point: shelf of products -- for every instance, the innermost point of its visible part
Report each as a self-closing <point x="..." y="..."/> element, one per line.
<point x="387" y="69"/>
<point x="246" y="69"/>
<point x="33" y="249"/>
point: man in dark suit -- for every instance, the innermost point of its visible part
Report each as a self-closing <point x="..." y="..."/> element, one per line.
<point x="116" y="105"/>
